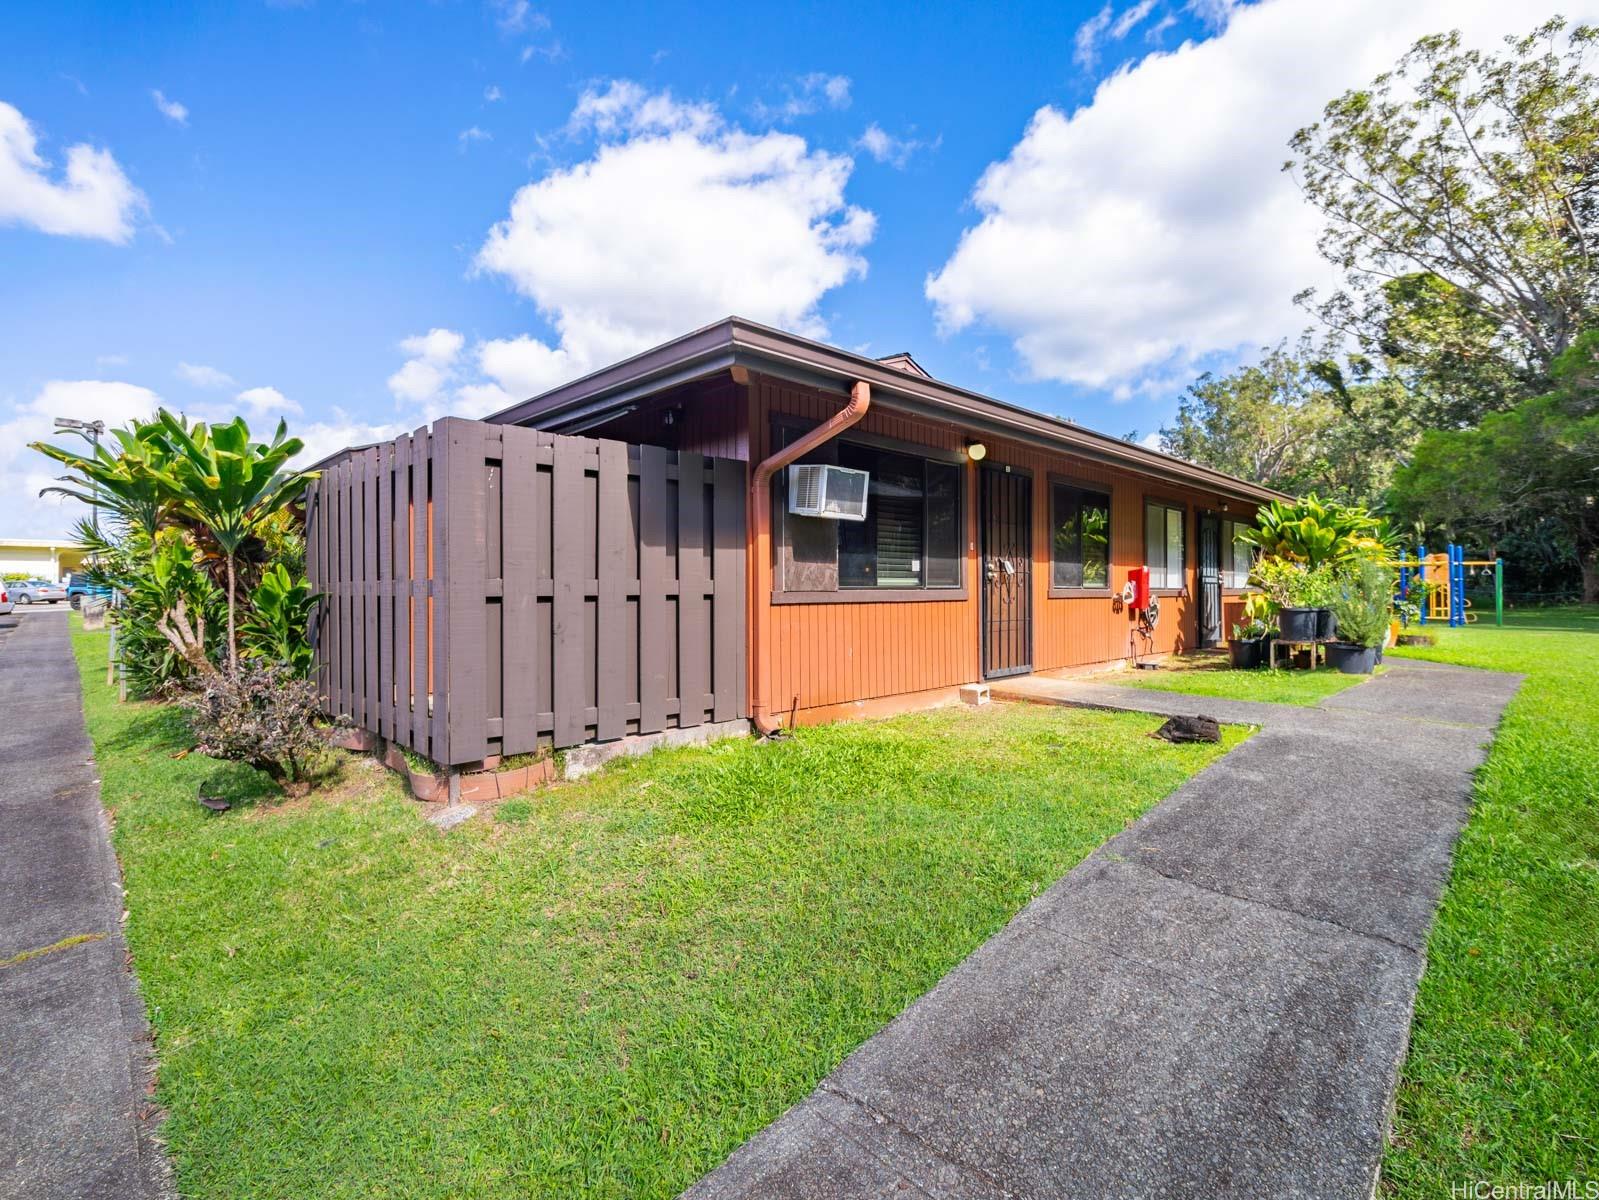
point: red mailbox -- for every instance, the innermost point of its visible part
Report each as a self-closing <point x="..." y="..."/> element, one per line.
<point x="1139" y="578"/>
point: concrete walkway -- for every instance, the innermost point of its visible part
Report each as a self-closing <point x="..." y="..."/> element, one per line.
<point x="75" y="1120"/>
<point x="1214" y="1003"/>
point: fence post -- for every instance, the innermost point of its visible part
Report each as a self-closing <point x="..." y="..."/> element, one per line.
<point x="1421" y="574"/>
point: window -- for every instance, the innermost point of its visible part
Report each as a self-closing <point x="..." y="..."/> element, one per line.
<point x="1163" y="544"/>
<point x="911" y="537"/>
<point x="1080" y="542"/>
<point x="1237" y="556"/>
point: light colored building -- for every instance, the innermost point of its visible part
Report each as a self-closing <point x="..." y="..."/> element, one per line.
<point x="41" y="558"/>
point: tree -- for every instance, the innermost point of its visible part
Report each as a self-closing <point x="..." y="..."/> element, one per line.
<point x="1535" y="466"/>
<point x="1460" y="196"/>
<point x="228" y="487"/>
<point x="1281" y="423"/>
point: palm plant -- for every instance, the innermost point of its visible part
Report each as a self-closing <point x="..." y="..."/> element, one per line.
<point x="124" y="476"/>
<point x="227" y="487"/>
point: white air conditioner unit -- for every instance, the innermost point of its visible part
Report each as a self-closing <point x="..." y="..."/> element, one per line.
<point x="820" y="490"/>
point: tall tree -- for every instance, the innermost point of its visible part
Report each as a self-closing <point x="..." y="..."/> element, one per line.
<point x="1460" y="197"/>
<point x="1279" y="422"/>
<point x="1535" y="466"/>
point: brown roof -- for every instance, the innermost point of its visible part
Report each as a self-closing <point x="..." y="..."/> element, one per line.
<point x="585" y="402"/>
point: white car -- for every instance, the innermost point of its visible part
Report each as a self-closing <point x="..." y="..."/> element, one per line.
<point x="5" y="599"/>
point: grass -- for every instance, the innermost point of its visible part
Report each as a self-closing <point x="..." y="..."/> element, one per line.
<point x="1502" y="1079"/>
<point x="1210" y="675"/>
<point x="606" y="990"/>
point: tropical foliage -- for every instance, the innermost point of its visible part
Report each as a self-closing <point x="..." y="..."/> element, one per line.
<point x="1314" y="532"/>
<point x="280" y="613"/>
<point x="198" y="521"/>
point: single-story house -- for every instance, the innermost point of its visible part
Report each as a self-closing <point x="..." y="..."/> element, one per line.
<point x="40" y="558"/>
<point x="995" y="540"/>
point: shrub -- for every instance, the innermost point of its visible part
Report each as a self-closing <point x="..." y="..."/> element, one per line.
<point x="1365" y="593"/>
<point x="277" y="627"/>
<point x="265" y="715"/>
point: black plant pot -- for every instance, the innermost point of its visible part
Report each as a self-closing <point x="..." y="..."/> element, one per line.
<point x="1247" y="654"/>
<point x="1297" y="625"/>
<point x="1326" y="623"/>
<point x="1352" y="659"/>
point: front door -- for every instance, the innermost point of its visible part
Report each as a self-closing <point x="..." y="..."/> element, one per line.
<point x="1007" y="541"/>
<point x="1209" y="579"/>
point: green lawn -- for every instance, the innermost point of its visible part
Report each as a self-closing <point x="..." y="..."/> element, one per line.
<point x="598" y="992"/>
<point x="1210" y="675"/>
<point x="1502" y="1079"/>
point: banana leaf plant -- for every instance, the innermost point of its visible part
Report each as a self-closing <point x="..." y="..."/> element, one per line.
<point x="226" y="486"/>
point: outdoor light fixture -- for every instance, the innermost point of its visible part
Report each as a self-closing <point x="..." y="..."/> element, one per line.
<point x="976" y="451"/>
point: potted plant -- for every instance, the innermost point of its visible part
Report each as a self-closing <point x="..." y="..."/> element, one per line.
<point x="1362" y="606"/>
<point x="1321" y="593"/>
<point x="1252" y="635"/>
<point x="1291" y="588"/>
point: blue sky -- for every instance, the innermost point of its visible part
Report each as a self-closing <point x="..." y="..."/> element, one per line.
<point x="270" y="206"/>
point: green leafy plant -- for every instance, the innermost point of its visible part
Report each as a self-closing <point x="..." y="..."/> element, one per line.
<point x="1257" y="622"/>
<point x="228" y="487"/>
<point x="1362" y="603"/>
<point x="1315" y="532"/>
<point x="277" y="628"/>
<point x="1285" y="583"/>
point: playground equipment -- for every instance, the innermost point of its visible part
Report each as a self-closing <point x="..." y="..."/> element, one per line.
<point x="1446" y="572"/>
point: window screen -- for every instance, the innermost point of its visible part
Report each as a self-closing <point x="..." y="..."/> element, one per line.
<point x="1080" y="549"/>
<point x="911" y="536"/>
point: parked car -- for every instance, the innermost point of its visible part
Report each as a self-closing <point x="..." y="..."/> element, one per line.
<point x="37" y="591"/>
<point x="78" y="586"/>
<point x="5" y="599"/>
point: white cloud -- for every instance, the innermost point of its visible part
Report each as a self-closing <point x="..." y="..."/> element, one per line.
<point x="886" y="148"/>
<point x="807" y="94"/>
<point x="429" y="367"/>
<point x="1131" y="19"/>
<point x="203" y="376"/>
<point x="1154" y="226"/>
<point x="518" y="16"/>
<point x="1085" y="45"/>
<point x="467" y="136"/>
<point x="267" y="401"/>
<point x="1105" y="26"/>
<point x="623" y="107"/>
<point x="492" y="93"/>
<point x="170" y="109"/>
<point x="340" y="432"/>
<point x="24" y="472"/>
<point x="94" y="199"/>
<point x="756" y="225"/>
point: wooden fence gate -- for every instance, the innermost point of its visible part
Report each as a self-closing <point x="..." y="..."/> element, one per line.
<point x="491" y="589"/>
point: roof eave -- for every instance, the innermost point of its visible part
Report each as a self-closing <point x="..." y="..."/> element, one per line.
<point x="739" y="342"/>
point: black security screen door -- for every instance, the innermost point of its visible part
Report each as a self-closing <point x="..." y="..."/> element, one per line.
<point x="1007" y="529"/>
<point x="1209" y="579"/>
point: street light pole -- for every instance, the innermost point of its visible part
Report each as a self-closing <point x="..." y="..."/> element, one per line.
<point x="91" y="430"/>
